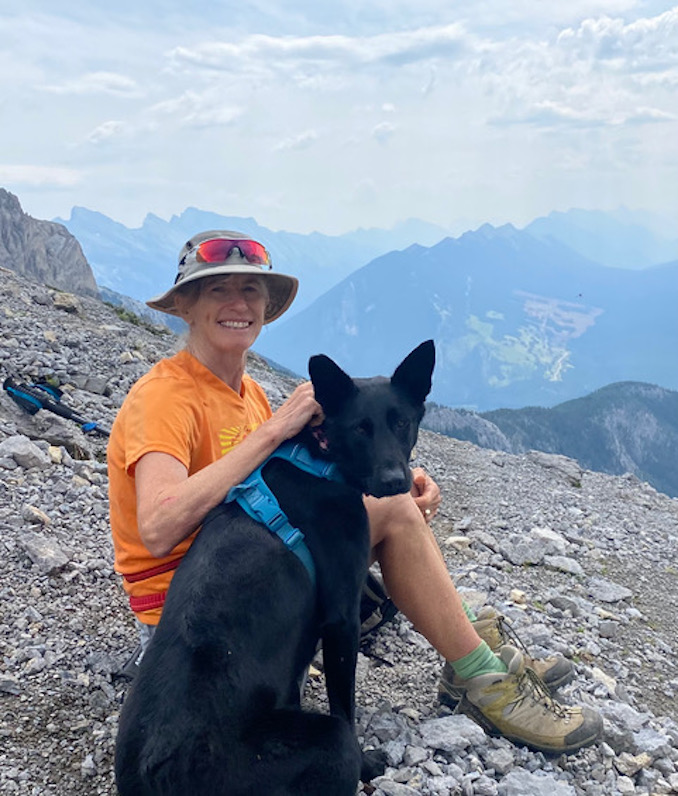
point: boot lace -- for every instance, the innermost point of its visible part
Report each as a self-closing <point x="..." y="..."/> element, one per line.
<point x="509" y="634"/>
<point x="531" y="687"/>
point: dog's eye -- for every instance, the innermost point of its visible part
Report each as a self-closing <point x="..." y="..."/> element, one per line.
<point x="364" y="429"/>
<point x="401" y="424"/>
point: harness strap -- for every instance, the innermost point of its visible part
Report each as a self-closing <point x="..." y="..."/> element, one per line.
<point x="254" y="496"/>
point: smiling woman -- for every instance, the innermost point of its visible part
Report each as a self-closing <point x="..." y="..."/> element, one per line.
<point x="225" y="315"/>
<point x="166" y="455"/>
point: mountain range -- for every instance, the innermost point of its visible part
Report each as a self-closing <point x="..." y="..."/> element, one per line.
<point x="627" y="427"/>
<point x="541" y="315"/>
<point x="517" y="320"/>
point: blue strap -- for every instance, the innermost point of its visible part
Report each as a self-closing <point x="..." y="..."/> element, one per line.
<point x="255" y="497"/>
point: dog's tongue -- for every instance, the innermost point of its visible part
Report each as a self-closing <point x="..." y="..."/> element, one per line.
<point x="319" y="436"/>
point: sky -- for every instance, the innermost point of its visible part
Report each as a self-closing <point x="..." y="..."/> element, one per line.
<point x="334" y="116"/>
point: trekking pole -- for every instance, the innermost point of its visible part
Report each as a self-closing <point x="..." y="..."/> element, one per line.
<point x="32" y="397"/>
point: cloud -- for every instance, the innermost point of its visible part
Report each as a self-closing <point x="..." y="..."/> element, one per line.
<point x="97" y="83"/>
<point x="383" y="131"/>
<point x="268" y="53"/>
<point x="645" y="44"/>
<point x="105" y="131"/>
<point x="552" y="114"/>
<point x="603" y="73"/>
<point x="40" y="176"/>
<point x="299" y="142"/>
<point x="196" y="110"/>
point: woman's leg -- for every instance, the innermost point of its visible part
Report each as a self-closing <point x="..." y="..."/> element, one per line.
<point x="416" y="576"/>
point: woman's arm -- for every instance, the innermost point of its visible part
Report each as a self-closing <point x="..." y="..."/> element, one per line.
<point x="171" y="504"/>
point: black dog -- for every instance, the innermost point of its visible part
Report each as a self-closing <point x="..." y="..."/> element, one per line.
<point x="215" y="708"/>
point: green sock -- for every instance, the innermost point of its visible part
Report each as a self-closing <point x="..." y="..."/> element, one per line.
<point x="468" y="610"/>
<point x="481" y="661"/>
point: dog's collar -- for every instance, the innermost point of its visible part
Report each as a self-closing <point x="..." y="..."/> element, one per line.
<point x="254" y="496"/>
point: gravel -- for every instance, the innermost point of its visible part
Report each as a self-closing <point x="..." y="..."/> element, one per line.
<point x="582" y="563"/>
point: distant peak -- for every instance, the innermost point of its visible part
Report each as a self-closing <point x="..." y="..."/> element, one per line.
<point x="490" y="232"/>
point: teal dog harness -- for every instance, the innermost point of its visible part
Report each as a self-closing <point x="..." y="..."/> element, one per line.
<point x="254" y="496"/>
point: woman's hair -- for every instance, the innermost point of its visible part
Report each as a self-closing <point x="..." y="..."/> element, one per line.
<point x="188" y="294"/>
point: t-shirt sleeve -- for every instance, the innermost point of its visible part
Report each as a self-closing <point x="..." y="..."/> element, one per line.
<point x="160" y="418"/>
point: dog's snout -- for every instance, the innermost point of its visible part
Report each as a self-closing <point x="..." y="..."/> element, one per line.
<point x="393" y="480"/>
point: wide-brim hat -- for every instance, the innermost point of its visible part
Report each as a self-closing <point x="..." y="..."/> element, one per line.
<point x="282" y="288"/>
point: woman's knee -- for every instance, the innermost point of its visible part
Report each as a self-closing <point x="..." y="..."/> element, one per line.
<point x="392" y="516"/>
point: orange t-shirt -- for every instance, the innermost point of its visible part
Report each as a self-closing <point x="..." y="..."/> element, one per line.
<point x="181" y="408"/>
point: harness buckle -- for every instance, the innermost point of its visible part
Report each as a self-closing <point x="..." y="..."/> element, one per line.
<point x="292" y="539"/>
<point x="277" y="522"/>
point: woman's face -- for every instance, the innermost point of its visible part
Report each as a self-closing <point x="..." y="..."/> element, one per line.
<point x="228" y="313"/>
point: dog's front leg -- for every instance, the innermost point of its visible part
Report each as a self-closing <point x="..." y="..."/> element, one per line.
<point x="340" y="653"/>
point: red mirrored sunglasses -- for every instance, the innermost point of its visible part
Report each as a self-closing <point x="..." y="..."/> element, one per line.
<point x="219" y="250"/>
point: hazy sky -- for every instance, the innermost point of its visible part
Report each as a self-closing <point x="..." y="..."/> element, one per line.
<point x="335" y="115"/>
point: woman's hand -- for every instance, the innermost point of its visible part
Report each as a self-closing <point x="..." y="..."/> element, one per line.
<point x="426" y="493"/>
<point x="299" y="410"/>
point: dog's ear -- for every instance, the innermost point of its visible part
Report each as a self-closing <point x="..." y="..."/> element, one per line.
<point x="332" y="386"/>
<point x="413" y="375"/>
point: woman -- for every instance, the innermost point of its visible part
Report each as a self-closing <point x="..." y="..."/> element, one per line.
<point x="168" y="467"/>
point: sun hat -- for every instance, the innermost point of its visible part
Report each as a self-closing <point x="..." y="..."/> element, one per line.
<point x="209" y="254"/>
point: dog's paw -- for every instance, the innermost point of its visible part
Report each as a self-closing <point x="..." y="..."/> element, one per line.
<point x="374" y="764"/>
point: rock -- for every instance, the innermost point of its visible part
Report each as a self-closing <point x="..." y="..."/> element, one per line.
<point x="43" y="552"/>
<point x="520" y="782"/>
<point x="24" y="452"/>
<point x="608" y="629"/>
<point x="626" y="786"/>
<point x="8" y="685"/>
<point x="388" y="787"/>
<point x="88" y="767"/>
<point x="42" y="250"/>
<point x="566" y="468"/>
<point x="601" y="677"/>
<point x="649" y="742"/>
<point x="35" y="516"/>
<point x="564" y="564"/>
<point x="67" y="302"/>
<point x="607" y="591"/>
<point x="554" y="544"/>
<point x="450" y="733"/>
<point x="629" y="765"/>
<point x="518" y="597"/>
<point x="520" y="551"/>
<point x="501" y="760"/>
<point x="458" y="542"/>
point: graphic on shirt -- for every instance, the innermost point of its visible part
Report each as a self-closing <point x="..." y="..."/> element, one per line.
<point x="232" y="435"/>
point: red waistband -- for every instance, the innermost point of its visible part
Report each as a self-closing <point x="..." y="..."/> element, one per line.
<point x="168" y="566"/>
<point x="148" y="602"/>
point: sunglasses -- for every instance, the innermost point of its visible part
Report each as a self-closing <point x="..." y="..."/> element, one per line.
<point x="219" y="250"/>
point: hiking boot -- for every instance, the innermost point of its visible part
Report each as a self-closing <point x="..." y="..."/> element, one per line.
<point x="494" y="629"/>
<point x="376" y="607"/>
<point x="517" y="706"/>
